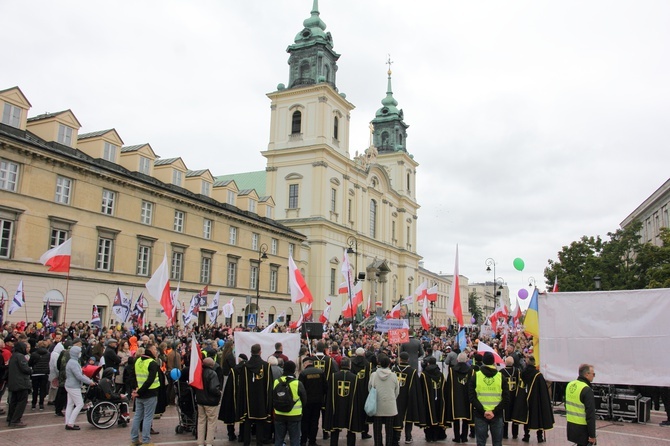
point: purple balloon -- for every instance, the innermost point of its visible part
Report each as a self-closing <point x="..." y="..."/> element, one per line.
<point x="523" y="293"/>
<point x="473" y="320"/>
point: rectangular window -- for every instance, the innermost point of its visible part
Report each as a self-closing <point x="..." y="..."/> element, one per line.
<point x="9" y="175"/>
<point x="108" y="198"/>
<point x="254" y="241"/>
<point x="274" y="273"/>
<point x="409" y="238"/>
<point x="333" y="200"/>
<point x="177" y="265"/>
<point x="231" y="279"/>
<point x="393" y="239"/>
<point x="293" y="196"/>
<point x="291" y="249"/>
<point x="373" y="218"/>
<point x="178" y="221"/>
<point x="274" y="247"/>
<point x="6" y="235"/>
<point x="143" y="260"/>
<point x="58" y="237"/>
<point x="232" y="239"/>
<point x="231" y="198"/>
<point x="205" y="188"/>
<point x="105" y="253"/>
<point x="63" y="190"/>
<point x="268" y="212"/>
<point x="349" y="207"/>
<point x="145" y="165"/>
<point x="207" y="229"/>
<point x="147" y="212"/>
<point x="65" y="135"/>
<point x="176" y="177"/>
<point x="252" y="206"/>
<point x="205" y="269"/>
<point x="253" y="276"/>
<point x="333" y="275"/>
<point x="109" y="152"/>
<point x="11" y="115"/>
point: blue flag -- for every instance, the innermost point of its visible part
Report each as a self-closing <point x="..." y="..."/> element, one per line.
<point x="462" y="343"/>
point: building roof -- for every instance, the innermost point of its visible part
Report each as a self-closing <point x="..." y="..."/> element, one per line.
<point x="165" y="161"/>
<point x="135" y="148"/>
<point x="195" y="173"/>
<point x="94" y="134"/>
<point x="247" y="180"/>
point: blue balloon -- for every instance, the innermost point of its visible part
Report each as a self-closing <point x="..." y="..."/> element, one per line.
<point x="175" y="374"/>
<point x="220" y="343"/>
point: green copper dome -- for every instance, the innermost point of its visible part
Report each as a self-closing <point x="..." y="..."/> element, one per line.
<point x="314" y="29"/>
<point x="389" y="103"/>
<point x="389" y="132"/>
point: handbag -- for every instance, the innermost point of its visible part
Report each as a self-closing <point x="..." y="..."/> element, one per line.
<point x="371" y="403"/>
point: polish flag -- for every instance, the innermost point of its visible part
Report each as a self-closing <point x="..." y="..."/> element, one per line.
<point x="483" y="348"/>
<point x="555" y="288"/>
<point x="325" y="316"/>
<point x="295" y="325"/>
<point x="516" y="317"/>
<point x="307" y="311"/>
<point x="58" y="258"/>
<point x="159" y="287"/>
<point x="367" y="309"/>
<point x="343" y="288"/>
<point x="347" y="312"/>
<point x="299" y="291"/>
<point x="432" y="294"/>
<point x="456" y="294"/>
<point x="195" y="369"/>
<point x="357" y="295"/>
<point x="395" y="312"/>
<point x="425" y="317"/>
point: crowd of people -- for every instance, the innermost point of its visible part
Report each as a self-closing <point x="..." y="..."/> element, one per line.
<point x="427" y="382"/>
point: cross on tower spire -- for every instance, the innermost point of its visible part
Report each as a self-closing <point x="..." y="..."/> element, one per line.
<point x="389" y="62"/>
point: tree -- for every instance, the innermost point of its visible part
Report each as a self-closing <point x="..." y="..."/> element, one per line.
<point x="623" y="262"/>
<point x="473" y="306"/>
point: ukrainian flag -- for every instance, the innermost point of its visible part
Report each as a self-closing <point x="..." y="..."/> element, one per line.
<point x="532" y="324"/>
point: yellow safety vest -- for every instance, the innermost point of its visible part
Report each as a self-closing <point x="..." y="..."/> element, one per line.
<point x="489" y="390"/>
<point x="142" y="373"/>
<point x="575" y="412"/>
<point x="297" y="407"/>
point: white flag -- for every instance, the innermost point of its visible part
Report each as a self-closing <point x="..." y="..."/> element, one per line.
<point x="213" y="309"/>
<point x="19" y="299"/>
<point x="229" y="309"/>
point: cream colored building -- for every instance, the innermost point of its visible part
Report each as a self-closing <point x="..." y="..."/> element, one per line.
<point x="654" y="214"/>
<point x="488" y="299"/>
<point x="125" y="208"/>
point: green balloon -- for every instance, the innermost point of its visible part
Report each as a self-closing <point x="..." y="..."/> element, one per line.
<point x="518" y="264"/>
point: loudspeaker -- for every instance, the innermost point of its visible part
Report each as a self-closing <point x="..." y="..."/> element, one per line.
<point x="313" y="329"/>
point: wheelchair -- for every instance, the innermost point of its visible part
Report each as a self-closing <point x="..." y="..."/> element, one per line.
<point x="103" y="413"/>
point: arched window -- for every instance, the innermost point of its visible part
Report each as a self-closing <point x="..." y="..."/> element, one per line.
<point x="336" y="127"/>
<point x="326" y="72"/>
<point x="296" y="122"/>
<point x="408" y="182"/>
<point x="373" y="219"/>
<point x="400" y="139"/>
<point x="304" y="69"/>
<point x="385" y="139"/>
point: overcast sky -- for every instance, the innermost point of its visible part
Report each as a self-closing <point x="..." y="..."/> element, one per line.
<point x="533" y="122"/>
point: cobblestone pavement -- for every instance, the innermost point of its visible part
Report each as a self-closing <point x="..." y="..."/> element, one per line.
<point x="46" y="428"/>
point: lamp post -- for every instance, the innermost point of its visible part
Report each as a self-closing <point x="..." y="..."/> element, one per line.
<point x="492" y="263"/>
<point x="532" y="282"/>
<point x="499" y="281"/>
<point x="352" y="249"/>
<point x="597" y="282"/>
<point x="262" y="255"/>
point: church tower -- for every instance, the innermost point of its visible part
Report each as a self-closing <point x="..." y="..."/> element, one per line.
<point x="389" y="130"/>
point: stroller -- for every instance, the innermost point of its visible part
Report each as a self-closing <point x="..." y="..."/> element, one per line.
<point x="187" y="411"/>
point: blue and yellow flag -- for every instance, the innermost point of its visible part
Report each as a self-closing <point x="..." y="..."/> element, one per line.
<point x="532" y="325"/>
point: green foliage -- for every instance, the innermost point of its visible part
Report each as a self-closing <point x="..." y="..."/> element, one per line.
<point x="623" y="262"/>
<point x="474" y="308"/>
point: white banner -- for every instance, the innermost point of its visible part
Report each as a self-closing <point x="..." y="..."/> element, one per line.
<point x="290" y="342"/>
<point x="624" y="334"/>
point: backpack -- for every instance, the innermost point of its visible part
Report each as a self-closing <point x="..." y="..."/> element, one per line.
<point x="282" y="396"/>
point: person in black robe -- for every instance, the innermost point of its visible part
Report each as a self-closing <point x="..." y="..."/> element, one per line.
<point x="228" y="411"/>
<point x="432" y="386"/>
<point x="362" y="368"/>
<point x="513" y="376"/>
<point x="539" y="414"/>
<point x="340" y="404"/>
<point x="254" y="400"/>
<point x="459" y="411"/>
<point x="329" y="366"/>
<point x="408" y="399"/>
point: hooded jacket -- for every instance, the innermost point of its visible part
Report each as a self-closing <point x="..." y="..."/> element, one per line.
<point x="19" y="371"/>
<point x="39" y="361"/>
<point x="53" y="361"/>
<point x="478" y="408"/>
<point x="210" y="394"/>
<point x="386" y="383"/>
<point x="73" y="374"/>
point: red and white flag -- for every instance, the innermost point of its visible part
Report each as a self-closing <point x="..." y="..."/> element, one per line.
<point x="555" y="288"/>
<point x="307" y="312"/>
<point x="516" y="317"/>
<point x="367" y="311"/>
<point x="325" y="316"/>
<point x="195" y="369"/>
<point x="159" y="287"/>
<point x="343" y="288"/>
<point x="58" y="258"/>
<point x="294" y="325"/>
<point x="432" y="294"/>
<point x="483" y="348"/>
<point x="456" y="294"/>
<point x="425" y="316"/>
<point x="347" y="285"/>
<point x="395" y="312"/>
<point x="299" y="291"/>
<point x="175" y="306"/>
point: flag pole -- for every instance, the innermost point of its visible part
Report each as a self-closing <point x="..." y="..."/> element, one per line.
<point x="67" y="289"/>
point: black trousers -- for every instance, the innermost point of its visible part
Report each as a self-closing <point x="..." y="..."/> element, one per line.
<point x="377" y="424"/>
<point x="515" y="430"/>
<point x="40" y="388"/>
<point x="61" y="400"/>
<point x="261" y="429"/>
<point x="17" y="405"/>
<point x="461" y="430"/>
<point x="335" y="437"/>
<point x="309" y="425"/>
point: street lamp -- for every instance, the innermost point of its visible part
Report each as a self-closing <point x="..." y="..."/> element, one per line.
<point x="489" y="263"/>
<point x="499" y="281"/>
<point x="596" y="279"/>
<point x="532" y="282"/>
<point x="262" y="255"/>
